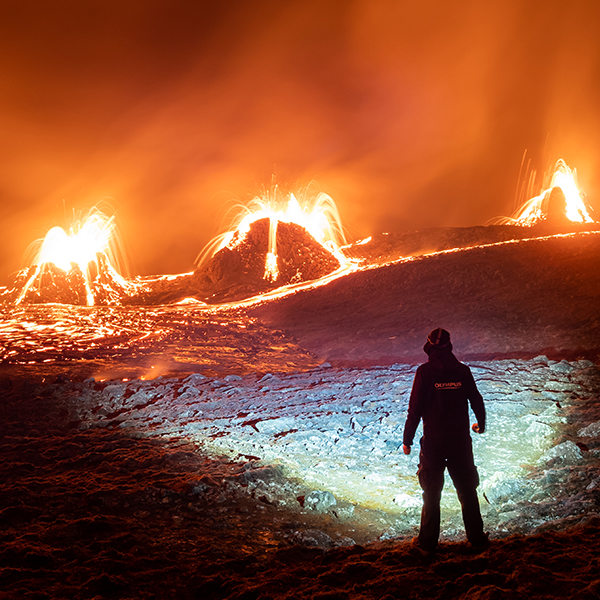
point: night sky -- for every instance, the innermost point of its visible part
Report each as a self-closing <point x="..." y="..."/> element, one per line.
<point x="409" y="114"/>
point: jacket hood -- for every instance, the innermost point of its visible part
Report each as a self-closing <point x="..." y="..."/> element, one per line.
<point x="442" y="358"/>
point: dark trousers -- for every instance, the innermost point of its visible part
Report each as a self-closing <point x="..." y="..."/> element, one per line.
<point x="461" y="467"/>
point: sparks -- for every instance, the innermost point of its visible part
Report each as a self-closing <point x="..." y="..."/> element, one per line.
<point x="79" y="246"/>
<point x="77" y="249"/>
<point x="561" y="199"/>
<point x="317" y="213"/>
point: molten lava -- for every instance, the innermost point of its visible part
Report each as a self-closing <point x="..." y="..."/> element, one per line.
<point x="80" y="246"/>
<point x="274" y="243"/>
<point x="316" y="213"/>
<point x="560" y="201"/>
<point x="75" y="267"/>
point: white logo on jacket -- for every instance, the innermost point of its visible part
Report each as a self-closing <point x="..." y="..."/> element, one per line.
<point x="448" y="385"/>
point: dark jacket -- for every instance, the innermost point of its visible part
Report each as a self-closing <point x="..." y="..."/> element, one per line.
<point x="441" y="392"/>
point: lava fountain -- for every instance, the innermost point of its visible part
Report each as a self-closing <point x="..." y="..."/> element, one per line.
<point x="560" y="201"/>
<point x="274" y="241"/>
<point x="75" y="267"/>
<point x="317" y="213"/>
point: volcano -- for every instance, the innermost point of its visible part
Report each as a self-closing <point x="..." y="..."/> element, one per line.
<point x="238" y="270"/>
<point x="47" y="283"/>
<point x="235" y="272"/>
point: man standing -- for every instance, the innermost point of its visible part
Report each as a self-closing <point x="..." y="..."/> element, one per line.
<point x="441" y="393"/>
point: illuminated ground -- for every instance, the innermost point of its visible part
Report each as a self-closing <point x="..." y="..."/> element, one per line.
<point x="336" y="434"/>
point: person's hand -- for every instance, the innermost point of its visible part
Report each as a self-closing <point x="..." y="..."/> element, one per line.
<point x="406" y="449"/>
<point x="475" y="428"/>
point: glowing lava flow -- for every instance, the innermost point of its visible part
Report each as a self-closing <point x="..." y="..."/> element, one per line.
<point x="551" y="204"/>
<point x="77" y="249"/>
<point x="318" y="214"/>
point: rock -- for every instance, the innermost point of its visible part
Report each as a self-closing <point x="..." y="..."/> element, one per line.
<point x="559" y="386"/>
<point x="272" y="426"/>
<point x="320" y="501"/>
<point x="562" y="367"/>
<point x="507" y="516"/>
<point x="406" y="501"/>
<point x="538" y="434"/>
<point x="498" y="490"/>
<point x="565" y="453"/>
<point x="492" y="592"/>
<point x="313" y="537"/>
<point x="266" y="377"/>
<point x="344" y="512"/>
<point x="190" y="393"/>
<point x="261" y="491"/>
<point x="584" y="364"/>
<point x="593" y="484"/>
<point x="140" y="398"/>
<point x="194" y="379"/>
<point x="269" y="473"/>
<point x="552" y="476"/>
<point x="591" y="430"/>
<point x="355" y="424"/>
<point x="113" y="391"/>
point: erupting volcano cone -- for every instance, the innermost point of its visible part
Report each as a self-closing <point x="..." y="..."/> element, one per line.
<point x="74" y="267"/>
<point x="237" y="271"/>
<point x="561" y="204"/>
<point x="47" y="283"/>
<point x="52" y="284"/>
<point x="556" y="206"/>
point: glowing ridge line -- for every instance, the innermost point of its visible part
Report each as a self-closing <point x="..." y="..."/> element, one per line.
<point x="352" y="267"/>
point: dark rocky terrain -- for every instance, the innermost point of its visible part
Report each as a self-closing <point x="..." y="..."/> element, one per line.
<point x="519" y="298"/>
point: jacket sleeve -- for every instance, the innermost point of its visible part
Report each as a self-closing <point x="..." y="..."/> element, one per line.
<point x="476" y="401"/>
<point x="415" y="408"/>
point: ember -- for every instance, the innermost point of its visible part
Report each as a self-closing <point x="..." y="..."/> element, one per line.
<point x="560" y="201"/>
<point x="273" y="244"/>
<point x="316" y="213"/>
<point x="75" y="267"/>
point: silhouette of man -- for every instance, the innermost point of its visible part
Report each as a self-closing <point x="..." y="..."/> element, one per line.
<point x="442" y="390"/>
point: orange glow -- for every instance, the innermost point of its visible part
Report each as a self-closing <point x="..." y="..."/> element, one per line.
<point x="271" y="269"/>
<point x="538" y="209"/>
<point x="79" y="247"/>
<point x="317" y="213"/>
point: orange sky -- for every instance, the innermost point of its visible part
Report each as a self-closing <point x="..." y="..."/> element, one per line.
<point x="408" y="114"/>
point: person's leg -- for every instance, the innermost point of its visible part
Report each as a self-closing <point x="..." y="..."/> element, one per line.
<point x="464" y="475"/>
<point x="431" y="478"/>
<point x="472" y="516"/>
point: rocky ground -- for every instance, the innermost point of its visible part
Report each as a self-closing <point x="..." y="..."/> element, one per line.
<point x="258" y="470"/>
<point x="290" y="486"/>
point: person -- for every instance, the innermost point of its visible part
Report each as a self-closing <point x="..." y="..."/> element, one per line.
<point x="442" y="390"/>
